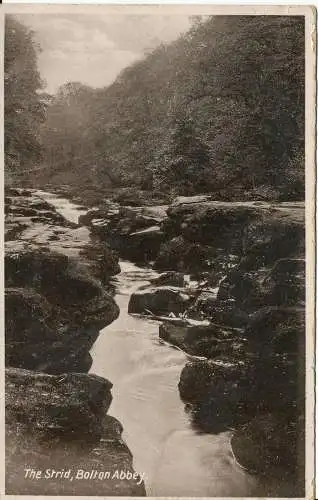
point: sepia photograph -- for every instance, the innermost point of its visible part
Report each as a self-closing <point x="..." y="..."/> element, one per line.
<point x="159" y="183"/>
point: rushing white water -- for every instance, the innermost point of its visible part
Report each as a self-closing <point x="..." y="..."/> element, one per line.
<point x="67" y="209"/>
<point x="177" y="460"/>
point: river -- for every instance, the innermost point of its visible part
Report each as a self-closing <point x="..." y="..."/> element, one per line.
<point x="176" y="459"/>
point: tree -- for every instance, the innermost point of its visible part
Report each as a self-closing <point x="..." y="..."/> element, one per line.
<point x="24" y="109"/>
<point x="183" y="160"/>
<point x="241" y="81"/>
<point x="190" y="155"/>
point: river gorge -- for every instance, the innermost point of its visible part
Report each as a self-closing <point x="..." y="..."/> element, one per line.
<point x="176" y="460"/>
<point x="174" y="453"/>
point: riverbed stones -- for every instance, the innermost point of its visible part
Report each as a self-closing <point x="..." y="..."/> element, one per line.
<point x="254" y="253"/>
<point x="56" y="235"/>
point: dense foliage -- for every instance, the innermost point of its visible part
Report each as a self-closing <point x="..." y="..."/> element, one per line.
<point x="220" y="110"/>
<point x="23" y="104"/>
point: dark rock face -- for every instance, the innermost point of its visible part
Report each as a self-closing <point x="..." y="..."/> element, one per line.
<point x="208" y="235"/>
<point x="60" y="422"/>
<point x="161" y="301"/>
<point x="182" y="255"/>
<point x="279" y="283"/>
<point x="218" y="393"/>
<point x="271" y="445"/>
<point x="49" y="297"/>
<point x="255" y="383"/>
<point x="57" y="298"/>
<point x="144" y="244"/>
<point x="135" y="232"/>
<point x="57" y="293"/>
<point x="211" y="223"/>
<point x="200" y="340"/>
<point x="285" y="284"/>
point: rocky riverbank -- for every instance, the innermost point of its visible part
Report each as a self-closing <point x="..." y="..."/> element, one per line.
<point x="240" y="268"/>
<point x="57" y="298"/>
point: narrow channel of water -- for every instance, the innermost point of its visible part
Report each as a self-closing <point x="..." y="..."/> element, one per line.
<point x="177" y="460"/>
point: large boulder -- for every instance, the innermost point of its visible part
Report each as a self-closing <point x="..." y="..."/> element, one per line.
<point x="220" y="312"/>
<point x="218" y="392"/>
<point x="59" y="423"/>
<point x="235" y="226"/>
<point x="69" y="405"/>
<point x="259" y="232"/>
<point x="159" y="301"/>
<point x="219" y="224"/>
<point x="273" y="445"/>
<point x="200" y="340"/>
<point x="144" y="245"/>
<point x="179" y="254"/>
<point x="276" y="338"/>
<point x="134" y="232"/>
<point x="277" y="330"/>
<point x="253" y="284"/>
<point x="53" y="314"/>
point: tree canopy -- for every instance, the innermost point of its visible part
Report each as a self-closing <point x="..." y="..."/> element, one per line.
<point x="23" y="105"/>
<point x="219" y="110"/>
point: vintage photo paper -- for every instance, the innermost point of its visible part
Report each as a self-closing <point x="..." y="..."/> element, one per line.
<point x="159" y="201"/>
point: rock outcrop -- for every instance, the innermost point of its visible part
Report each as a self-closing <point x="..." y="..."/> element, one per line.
<point x="134" y="232"/>
<point x="200" y="340"/>
<point x="245" y="266"/>
<point x="57" y="289"/>
<point x="256" y="384"/>
<point x="57" y="298"/>
<point x="159" y="300"/>
<point x="58" y="424"/>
